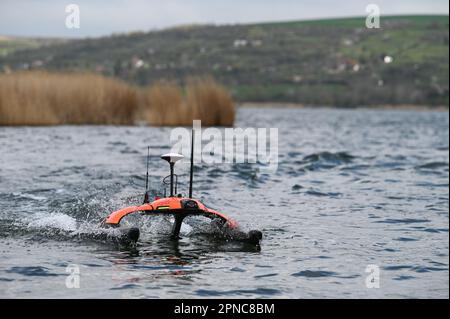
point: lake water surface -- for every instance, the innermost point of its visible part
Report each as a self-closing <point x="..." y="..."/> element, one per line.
<point x="353" y="188"/>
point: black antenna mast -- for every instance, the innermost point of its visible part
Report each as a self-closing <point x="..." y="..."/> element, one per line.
<point x="146" y="199"/>
<point x="191" y="176"/>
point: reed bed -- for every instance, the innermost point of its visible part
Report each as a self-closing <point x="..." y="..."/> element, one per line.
<point x="44" y="98"/>
<point x="209" y="101"/>
<point x="201" y="98"/>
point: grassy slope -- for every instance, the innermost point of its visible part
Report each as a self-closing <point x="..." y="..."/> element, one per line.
<point x="8" y="45"/>
<point x="301" y="61"/>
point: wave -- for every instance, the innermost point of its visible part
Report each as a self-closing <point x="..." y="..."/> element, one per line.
<point x="33" y="271"/>
<point x="339" y="157"/>
<point x="432" y="165"/>
<point x="325" y="160"/>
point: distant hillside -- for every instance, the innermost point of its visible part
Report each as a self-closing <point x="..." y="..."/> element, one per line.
<point x="9" y="45"/>
<point x="324" y="62"/>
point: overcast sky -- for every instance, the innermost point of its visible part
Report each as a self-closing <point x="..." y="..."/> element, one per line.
<point x="103" y="17"/>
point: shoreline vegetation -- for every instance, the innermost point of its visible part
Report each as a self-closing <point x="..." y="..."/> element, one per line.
<point x="54" y="98"/>
<point x="42" y="98"/>
<point x="405" y="107"/>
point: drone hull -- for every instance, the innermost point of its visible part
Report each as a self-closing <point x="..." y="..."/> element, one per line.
<point x="180" y="208"/>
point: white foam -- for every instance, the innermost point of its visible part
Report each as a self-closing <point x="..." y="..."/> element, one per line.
<point x="185" y="228"/>
<point x="54" y="220"/>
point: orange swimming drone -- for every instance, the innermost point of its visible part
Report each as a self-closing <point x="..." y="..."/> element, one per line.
<point x="178" y="207"/>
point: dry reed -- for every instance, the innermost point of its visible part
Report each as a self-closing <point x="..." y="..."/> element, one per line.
<point x="210" y="102"/>
<point x="203" y="100"/>
<point x="43" y="98"/>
